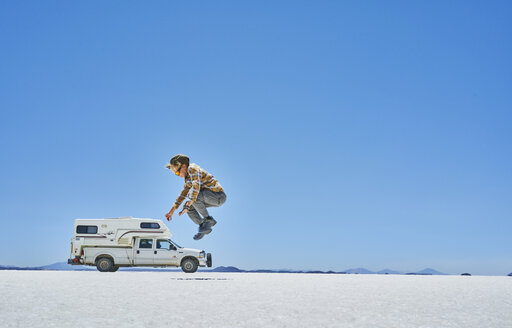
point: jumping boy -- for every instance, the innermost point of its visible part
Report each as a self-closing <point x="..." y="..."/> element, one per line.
<point x="202" y="191"/>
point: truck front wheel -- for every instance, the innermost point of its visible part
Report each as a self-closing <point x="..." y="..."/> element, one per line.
<point x="189" y="265"/>
<point x="105" y="264"/>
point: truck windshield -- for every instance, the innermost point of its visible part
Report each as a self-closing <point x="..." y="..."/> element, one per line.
<point x="175" y="244"/>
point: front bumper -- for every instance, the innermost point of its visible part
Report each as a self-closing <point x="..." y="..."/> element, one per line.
<point x="205" y="259"/>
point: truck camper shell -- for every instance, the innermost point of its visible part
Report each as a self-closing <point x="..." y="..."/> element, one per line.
<point x="117" y="231"/>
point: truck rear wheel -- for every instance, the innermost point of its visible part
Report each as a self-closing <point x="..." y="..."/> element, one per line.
<point x="105" y="264"/>
<point x="189" y="265"/>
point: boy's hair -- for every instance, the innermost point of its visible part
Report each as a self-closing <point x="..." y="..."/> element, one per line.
<point x="179" y="160"/>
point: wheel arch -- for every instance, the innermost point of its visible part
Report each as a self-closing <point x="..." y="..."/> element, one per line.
<point x="189" y="257"/>
<point x="104" y="255"/>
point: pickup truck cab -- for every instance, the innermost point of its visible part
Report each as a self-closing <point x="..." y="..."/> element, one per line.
<point x="110" y="244"/>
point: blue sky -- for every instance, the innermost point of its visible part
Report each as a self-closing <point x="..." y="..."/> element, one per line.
<point x="346" y="134"/>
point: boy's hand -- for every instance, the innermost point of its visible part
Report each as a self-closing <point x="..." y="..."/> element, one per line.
<point x="185" y="208"/>
<point x="170" y="213"/>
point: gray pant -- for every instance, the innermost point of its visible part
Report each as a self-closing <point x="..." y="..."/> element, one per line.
<point x="206" y="198"/>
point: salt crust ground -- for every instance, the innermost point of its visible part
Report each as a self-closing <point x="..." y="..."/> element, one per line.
<point x="163" y="299"/>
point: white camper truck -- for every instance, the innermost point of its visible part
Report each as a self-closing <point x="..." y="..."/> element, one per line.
<point x="127" y="242"/>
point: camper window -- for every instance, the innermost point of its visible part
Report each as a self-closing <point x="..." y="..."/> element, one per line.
<point x="87" y="229"/>
<point x="149" y="225"/>
<point x="146" y="243"/>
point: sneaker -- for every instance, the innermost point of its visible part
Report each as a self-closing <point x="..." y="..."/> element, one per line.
<point x="206" y="226"/>
<point x="198" y="236"/>
<point x="211" y="221"/>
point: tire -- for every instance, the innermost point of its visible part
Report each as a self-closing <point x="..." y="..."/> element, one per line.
<point x="104" y="264"/>
<point x="209" y="260"/>
<point x="189" y="265"/>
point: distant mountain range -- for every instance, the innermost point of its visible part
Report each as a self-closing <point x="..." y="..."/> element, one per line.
<point x="63" y="266"/>
<point x="388" y="271"/>
<point x="428" y="271"/>
<point x="359" y="271"/>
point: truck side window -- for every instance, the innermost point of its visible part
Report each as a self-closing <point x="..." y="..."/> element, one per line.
<point x="86" y="229"/>
<point x="149" y="225"/>
<point x="163" y="244"/>
<point x="146" y="243"/>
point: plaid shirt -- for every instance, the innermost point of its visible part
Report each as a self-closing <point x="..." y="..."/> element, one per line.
<point x="196" y="180"/>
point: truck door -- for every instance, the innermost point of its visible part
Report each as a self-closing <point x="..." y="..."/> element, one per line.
<point x="144" y="252"/>
<point x="165" y="253"/>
